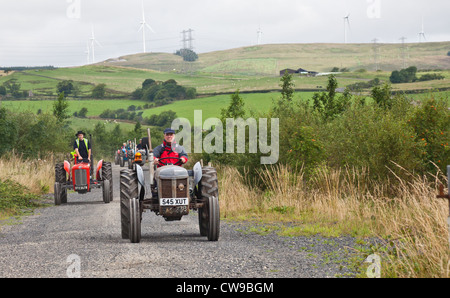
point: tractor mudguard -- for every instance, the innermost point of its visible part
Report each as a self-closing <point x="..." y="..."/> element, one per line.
<point x="140" y="175"/>
<point x="67" y="168"/>
<point x="198" y="173"/>
<point x="99" y="168"/>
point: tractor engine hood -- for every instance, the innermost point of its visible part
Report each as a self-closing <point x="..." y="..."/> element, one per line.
<point x="171" y="172"/>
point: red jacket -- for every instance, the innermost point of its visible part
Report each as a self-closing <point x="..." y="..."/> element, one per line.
<point x="164" y="150"/>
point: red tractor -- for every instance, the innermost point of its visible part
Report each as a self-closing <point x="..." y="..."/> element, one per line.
<point x="79" y="179"/>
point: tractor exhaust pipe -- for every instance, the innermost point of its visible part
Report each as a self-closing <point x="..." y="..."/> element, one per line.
<point x="150" y="158"/>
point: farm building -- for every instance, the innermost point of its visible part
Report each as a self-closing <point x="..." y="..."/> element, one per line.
<point x="299" y="71"/>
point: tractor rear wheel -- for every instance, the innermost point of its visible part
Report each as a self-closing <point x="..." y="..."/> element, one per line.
<point x="61" y="179"/>
<point x="58" y="198"/>
<point x="128" y="190"/>
<point x="209" y="215"/>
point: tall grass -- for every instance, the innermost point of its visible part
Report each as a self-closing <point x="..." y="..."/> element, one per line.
<point x="411" y="225"/>
<point x="38" y="176"/>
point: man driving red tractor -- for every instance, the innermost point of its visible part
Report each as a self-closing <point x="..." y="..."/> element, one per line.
<point x="82" y="148"/>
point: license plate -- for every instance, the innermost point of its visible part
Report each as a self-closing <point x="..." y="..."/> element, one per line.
<point x="85" y="187"/>
<point x="174" y="202"/>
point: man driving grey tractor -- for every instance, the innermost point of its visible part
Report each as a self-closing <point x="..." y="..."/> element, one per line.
<point x="169" y="152"/>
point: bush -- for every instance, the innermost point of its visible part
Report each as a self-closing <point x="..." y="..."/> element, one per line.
<point x="188" y="55"/>
<point x="407" y="75"/>
<point x="99" y="91"/>
<point x="15" y="197"/>
<point x="430" y="77"/>
<point x="162" y="93"/>
<point x="431" y="124"/>
<point x="367" y="137"/>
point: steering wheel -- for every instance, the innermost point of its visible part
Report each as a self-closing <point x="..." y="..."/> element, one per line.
<point x="179" y="162"/>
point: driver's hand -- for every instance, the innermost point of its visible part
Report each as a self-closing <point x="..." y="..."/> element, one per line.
<point x="156" y="160"/>
<point x="183" y="160"/>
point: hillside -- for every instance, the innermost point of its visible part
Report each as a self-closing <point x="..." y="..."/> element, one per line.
<point x="249" y="69"/>
<point x="270" y="59"/>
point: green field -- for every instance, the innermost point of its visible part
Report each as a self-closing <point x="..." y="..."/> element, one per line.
<point x="210" y="106"/>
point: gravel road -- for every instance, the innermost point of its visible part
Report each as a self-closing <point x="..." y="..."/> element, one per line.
<point x="86" y="232"/>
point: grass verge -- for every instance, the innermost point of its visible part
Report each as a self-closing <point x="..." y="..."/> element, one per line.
<point x="410" y="228"/>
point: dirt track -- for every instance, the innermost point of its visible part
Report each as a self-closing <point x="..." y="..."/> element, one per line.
<point x="87" y="232"/>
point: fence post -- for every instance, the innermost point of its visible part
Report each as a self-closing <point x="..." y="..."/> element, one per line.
<point x="446" y="196"/>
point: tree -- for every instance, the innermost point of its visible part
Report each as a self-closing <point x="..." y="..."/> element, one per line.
<point x="65" y="86"/>
<point x="8" y="131"/>
<point x="99" y="91"/>
<point x="235" y="109"/>
<point x="148" y="83"/>
<point x="383" y="96"/>
<point x="82" y="113"/>
<point x="13" y="88"/>
<point x="328" y="104"/>
<point x="60" y="108"/>
<point x="187" y="54"/>
<point x="287" y="87"/>
<point x="407" y="75"/>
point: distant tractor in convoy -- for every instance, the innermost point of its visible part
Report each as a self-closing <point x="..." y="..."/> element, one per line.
<point x="78" y="178"/>
<point x="171" y="192"/>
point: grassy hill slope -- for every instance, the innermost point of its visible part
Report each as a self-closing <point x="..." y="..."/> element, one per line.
<point x="270" y="59"/>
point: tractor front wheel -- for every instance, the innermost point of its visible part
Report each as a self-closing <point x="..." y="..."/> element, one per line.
<point x="135" y="220"/>
<point x="106" y="191"/>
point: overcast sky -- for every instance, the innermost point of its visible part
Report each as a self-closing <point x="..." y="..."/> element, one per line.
<point x="57" y="32"/>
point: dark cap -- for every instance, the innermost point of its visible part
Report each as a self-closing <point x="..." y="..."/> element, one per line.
<point x="169" y="130"/>
<point x="80" y="133"/>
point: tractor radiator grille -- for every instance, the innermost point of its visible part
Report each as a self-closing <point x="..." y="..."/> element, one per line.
<point x="170" y="188"/>
<point x="80" y="177"/>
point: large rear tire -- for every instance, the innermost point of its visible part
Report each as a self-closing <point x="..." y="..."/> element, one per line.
<point x="128" y="190"/>
<point x="58" y="199"/>
<point x="209" y="215"/>
<point x="61" y="179"/>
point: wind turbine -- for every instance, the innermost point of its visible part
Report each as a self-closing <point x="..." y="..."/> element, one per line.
<point x="422" y="33"/>
<point x="88" y="52"/>
<point x="259" y="32"/>
<point x="93" y="42"/>
<point x="143" y="25"/>
<point x="346" y="23"/>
